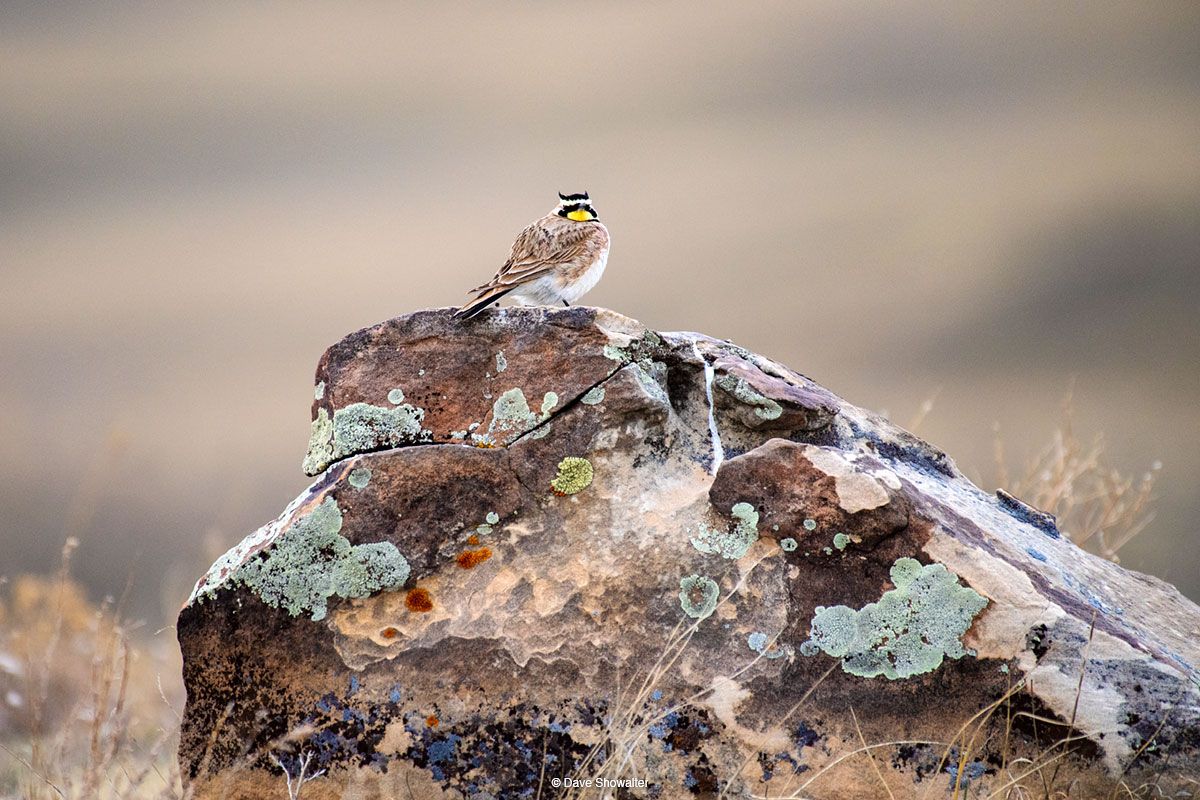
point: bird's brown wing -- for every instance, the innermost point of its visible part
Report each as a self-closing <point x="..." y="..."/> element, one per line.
<point x="536" y="251"/>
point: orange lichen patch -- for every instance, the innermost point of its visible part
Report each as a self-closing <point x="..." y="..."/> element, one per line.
<point x="390" y="633"/>
<point x="432" y="721"/>
<point x="418" y="600"/>
<point x="470" y="558"/>
<point x="472" y="540"/>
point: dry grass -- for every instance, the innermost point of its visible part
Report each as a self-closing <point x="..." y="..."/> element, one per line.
<point x="1098" y="507"/>
<point x="89" y="706"/>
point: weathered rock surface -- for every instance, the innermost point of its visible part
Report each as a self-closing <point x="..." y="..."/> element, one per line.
<point x="549" y="547"/>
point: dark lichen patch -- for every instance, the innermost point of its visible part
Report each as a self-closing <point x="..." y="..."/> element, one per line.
<point x="689" y="729"/>
<point x="922" y="759"/>
<point x="501" y="756"/>
<point x="916" y="453"/>
<point x="1023" y="512"/>
<point x="346" y="732"/>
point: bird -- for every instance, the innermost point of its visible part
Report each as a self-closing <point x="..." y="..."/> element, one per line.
<point x="557" y="258"/>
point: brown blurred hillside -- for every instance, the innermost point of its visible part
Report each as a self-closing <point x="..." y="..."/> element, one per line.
<point x="986" y="203"/>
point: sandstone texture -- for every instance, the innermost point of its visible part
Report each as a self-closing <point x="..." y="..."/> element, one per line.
<point x="552" y="553"/>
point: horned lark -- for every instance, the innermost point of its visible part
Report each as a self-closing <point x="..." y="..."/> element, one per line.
<point x="558" y="258"/>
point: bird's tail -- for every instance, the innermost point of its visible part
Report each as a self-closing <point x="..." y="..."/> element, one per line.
<point x="483" y="301"/>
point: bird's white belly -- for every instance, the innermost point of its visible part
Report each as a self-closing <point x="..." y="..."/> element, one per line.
<point x="587" y="280"/>
<point x="549" y="291"/>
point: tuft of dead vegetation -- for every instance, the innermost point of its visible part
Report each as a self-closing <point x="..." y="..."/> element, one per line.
<point x="88" y="703"/>
<point x="1098" y="507"/>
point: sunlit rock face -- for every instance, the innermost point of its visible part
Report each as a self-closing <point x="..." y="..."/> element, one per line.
<point x="552" y="551"/>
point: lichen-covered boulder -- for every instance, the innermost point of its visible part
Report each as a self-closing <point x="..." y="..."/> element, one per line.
<point x="552" y="553"/>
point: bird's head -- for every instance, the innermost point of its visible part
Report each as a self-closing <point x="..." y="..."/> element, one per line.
<point x="575" y="206"/>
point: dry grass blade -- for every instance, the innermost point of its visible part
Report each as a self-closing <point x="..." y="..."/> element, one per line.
<point x="850" y="754"/>
<point x="788" y="715"/>
<point x="870" y="757"/>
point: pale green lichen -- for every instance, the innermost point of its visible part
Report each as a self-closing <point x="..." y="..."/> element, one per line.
<point x="319" y="392"/>
<point x="593" y="396"/>
<point x="617" y="354"/>
<point x="484" y="529"/>
<point x="764" y="407"/>
<point x="501" y="362"/>
<point x="840" y="540"/>
<point x="511" y="417"/>
<point x="789" y="544"/>
<point x="359" y="478"/>
<point x="361" y="428"/>
<point x="810" y="524"/>
<point x="320" y="444"/>
<point x="311" y="562"/>
<point x="908" y="631"/>
<point x="396" y="396"/>
<point x="492" y="518"/>
<point x="760" y="643"/>
<point x="733" y="543"/>
<point x="548" y="403"/>
<point x="698" y="596"/>
<point x="574" y="475"/>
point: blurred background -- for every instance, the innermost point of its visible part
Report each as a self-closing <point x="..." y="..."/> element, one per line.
<point x="990" y="206"/>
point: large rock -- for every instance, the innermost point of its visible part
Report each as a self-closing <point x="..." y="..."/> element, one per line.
<point x="552" y="548"/>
